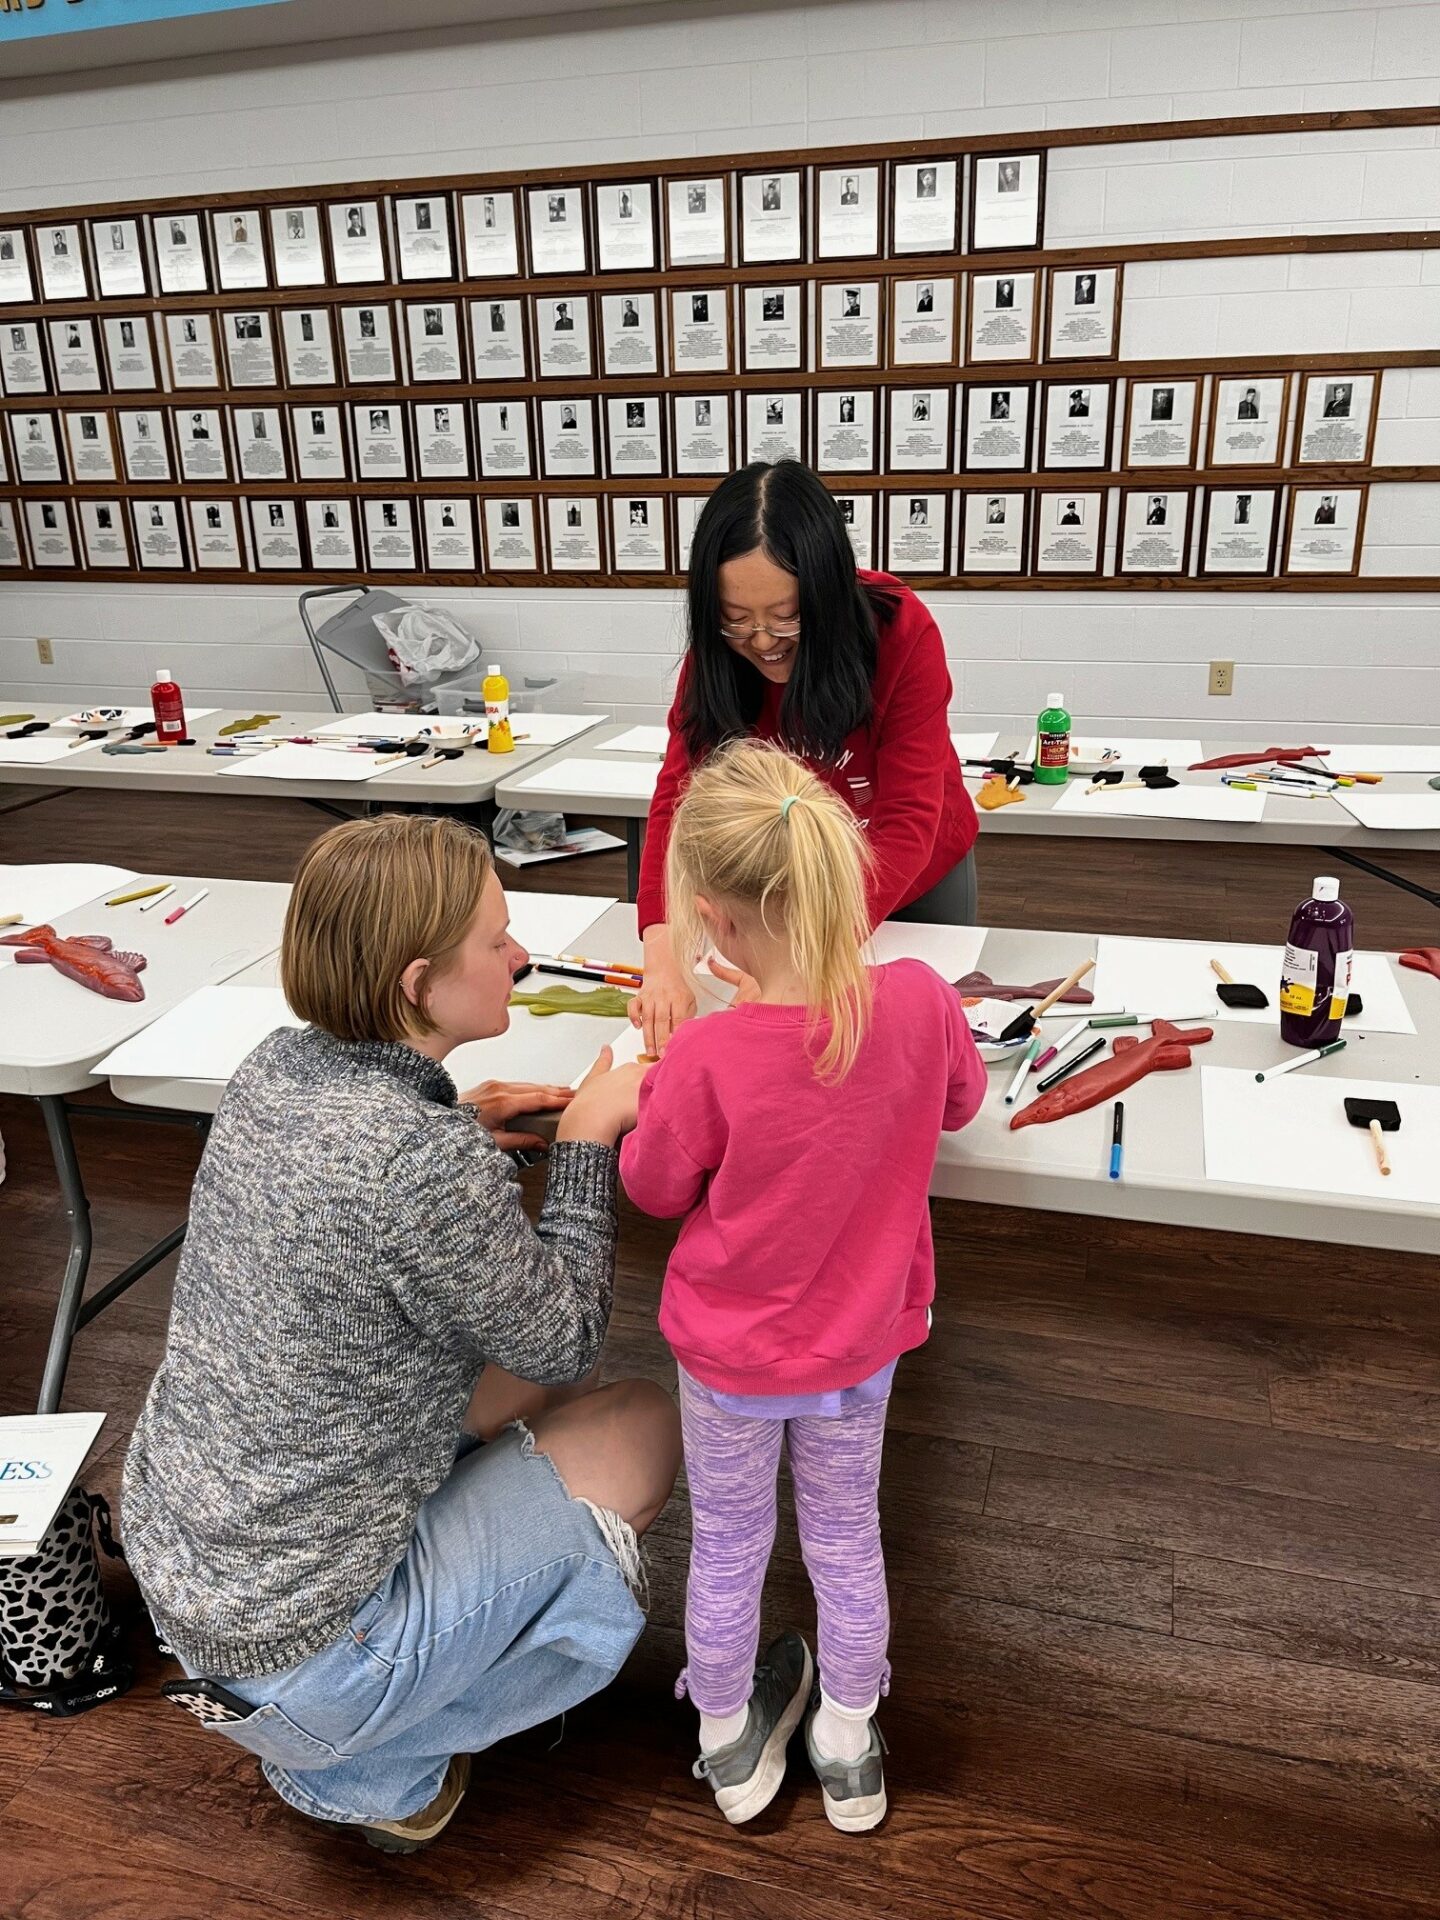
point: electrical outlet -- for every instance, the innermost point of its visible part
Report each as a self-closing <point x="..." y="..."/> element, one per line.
<point x="1222" y="676"/>
<point x="46" y="651"/>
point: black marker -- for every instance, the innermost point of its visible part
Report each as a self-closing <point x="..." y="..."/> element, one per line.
<point x="1060" y="1073"/>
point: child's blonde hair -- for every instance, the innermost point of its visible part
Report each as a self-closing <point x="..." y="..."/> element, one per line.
<point x="757" y="829"/>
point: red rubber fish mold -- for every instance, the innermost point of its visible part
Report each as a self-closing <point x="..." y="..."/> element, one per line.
<point x="1167" y="1050"/>
<point x="89" y="959"/>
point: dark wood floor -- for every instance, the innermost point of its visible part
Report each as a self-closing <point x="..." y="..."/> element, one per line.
<point x="1162" y="1516"/>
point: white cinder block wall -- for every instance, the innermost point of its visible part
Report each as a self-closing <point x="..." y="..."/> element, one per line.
<point x="702" y="78"/>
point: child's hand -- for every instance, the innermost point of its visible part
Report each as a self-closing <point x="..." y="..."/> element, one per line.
<point x="665" y="1002"/>
<point x="605" y="1102"/>
<point x="749" y="988"/>
<point x="498" y="1101"/>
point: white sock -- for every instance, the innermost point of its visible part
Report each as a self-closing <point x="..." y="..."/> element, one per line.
<point x="841" y="1733"/>
<point x="718" y="1730"/>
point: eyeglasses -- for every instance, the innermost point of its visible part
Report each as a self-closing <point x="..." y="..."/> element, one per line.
<point x="782" y="630"/>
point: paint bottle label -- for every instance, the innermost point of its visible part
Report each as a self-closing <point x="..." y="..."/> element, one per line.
<point x="1298" y="977"/>
<point x="1054" y="750"/>
<point x="1340" y="992"/>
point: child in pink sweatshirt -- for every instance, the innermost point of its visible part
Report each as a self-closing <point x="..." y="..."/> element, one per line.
<point x="796" y="1134"/>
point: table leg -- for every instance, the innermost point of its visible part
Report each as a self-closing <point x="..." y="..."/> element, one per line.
<point x="634" y="837"/>
<point x="77" y="1264"/>
<point x="1428" y="894"/>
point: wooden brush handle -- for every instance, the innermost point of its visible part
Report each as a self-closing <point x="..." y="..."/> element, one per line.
<point x="1377" y="1135"/>
<point x="1227" y="979"/>
<point x="1059" y="993"/>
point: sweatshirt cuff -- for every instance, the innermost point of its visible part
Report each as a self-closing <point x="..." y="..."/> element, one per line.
<point x="582" y="1173"/>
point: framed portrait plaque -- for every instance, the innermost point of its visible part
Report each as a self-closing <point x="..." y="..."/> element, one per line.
<point x="1002" y="317"/>
<point x="237" y="237"/>
<point x="993" y="528"/>
<point x="357" y="243"/>
<point x="1069" y="531"/>
<point x="1337" y="418"/>
<point x="1075" y="428"/>
<point x="1154" y="530"/>
<point x="1162" y="422"/>
<point x="851" y="325"/>
<point x="497" y="339"/>
<point x="1241" y="527"/>
<point x="1247" y="419"/>
<point x="697" y="221"/>
<point x="491" y="225"/>
<point x="772" y="216"/>
<point x="700" y="334"/>
<point x="625" y="226"/>
<point x="1084" y="315"/>
<point x="847" y="212"/>
<point x="917" y="532"/>
<point x="1324" y="530"/>
<point x="996" y="427"/>
<point x="924" y="206"/>
<point x="1007" y="201"/>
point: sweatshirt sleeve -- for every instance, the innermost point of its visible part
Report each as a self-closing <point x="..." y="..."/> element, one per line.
<point x="666" y="1160"/>
<point x="911" y="750"/>
<point x="669" y="791"/>
<point x="968" y="1078"/>
<point x="466" y="1264"/>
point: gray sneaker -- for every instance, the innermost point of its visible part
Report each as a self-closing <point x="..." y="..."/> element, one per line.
<point x="853" y="1790"/>
<point x="746" y="1775"/>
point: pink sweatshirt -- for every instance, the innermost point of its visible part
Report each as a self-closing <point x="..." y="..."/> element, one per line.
<point x="805" y="1262"/>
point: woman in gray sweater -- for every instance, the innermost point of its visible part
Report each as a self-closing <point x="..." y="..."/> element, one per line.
<point x="376" y="1501"/>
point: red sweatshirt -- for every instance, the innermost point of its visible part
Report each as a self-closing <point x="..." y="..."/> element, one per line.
<point x="805" y="1263"/>
<point x="899" y="774"/>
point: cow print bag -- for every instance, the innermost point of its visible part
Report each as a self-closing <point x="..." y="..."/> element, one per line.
<point x="60" y="1644"/>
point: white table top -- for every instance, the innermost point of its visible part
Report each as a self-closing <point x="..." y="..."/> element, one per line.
<point x="468" y="781"/>
<point x="52" y="1030"/>
<point x="1060" y="1167"/>
<point x="1288" y="821"/>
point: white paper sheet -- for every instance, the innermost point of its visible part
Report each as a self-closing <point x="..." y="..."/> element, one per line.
<point x="617" y="779"/>
<point x="552" y="729"/>
<point x="1362" y="759"/>
<point x="974" y="746"/>
<point x="951" y="951"/>
<point x="637" y="740"/>
<point x="1292" y="1133"/>
<point x="1151" y="974"/>
<point x="553" y="1051"/>
<point x="286" y="762"/>
<point x="626" y="1048"/>
<point x="42" y="893"/>
<point x="552" y="923"/>
<point x="1392" y="812"/>
<point x="1233" y="805"/>
<point x="62" y="1441"/>
<point x="40" y="749"/>
<point x="1134" y="751"/>
<point x="203" y="1038"/>
<point x="404" y="726"/>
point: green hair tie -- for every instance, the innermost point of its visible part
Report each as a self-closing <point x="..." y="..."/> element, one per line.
<point x="786" y="804"/>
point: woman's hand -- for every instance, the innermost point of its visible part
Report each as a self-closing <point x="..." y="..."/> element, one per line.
<point x="605" y="1102"/>
<point x="667" y="999"/>
<point x="496" y="1102"/>
<point x="748" y="987"/>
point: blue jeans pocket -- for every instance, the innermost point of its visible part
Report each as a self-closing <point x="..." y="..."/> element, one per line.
<point x="272" y="1735"/>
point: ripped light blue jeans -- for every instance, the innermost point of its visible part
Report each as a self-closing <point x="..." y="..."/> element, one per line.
<point x="513" y="1603"/>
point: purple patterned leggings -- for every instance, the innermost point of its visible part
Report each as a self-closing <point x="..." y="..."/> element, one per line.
<point x="731" y="1461"/>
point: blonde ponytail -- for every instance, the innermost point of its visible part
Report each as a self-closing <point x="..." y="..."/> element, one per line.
<point x="757" y="828"/>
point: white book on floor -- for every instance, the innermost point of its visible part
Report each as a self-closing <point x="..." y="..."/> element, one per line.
<point x="40" y="1455"/>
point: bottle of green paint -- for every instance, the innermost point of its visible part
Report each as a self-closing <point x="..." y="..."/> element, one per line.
<point x="1052" y="742"/>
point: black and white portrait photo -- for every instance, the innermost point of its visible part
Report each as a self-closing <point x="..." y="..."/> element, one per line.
<point x="564" y="319"/>
<point x="1004" y="293"/>
<point x="569" y="421"/>
<point x="355" y="223"/>
<point x="774" y="413"/>
<point x="434" y="323"/>
<point x="1155" y="512"/>
<point x="379" y="420"/>
<point x="696" y="197"/>
<point x="772" y="306"/>
<point x="770" y="195"/>
<point x="702" y="413"/>
<point x="423" y="217"/>
<point x="509" y="513"/>
<point x="1000" y="404"/>
<point x="295" y="225"/>
<point x="925" y="297"/>
<point x="925" y="183"/>
<point x="1338" y="396"/>
<point x="1007" y="177"/>
<point x="1084" y="290"/>
<point x="1162" y="403"/>
<point x="995" y="511"/>
<point x="1079" y="403"/>
<point x="851" y="307"/>
<point x="1070" y="514"/>
<point x="847" y="409"/>
<point x="629" y="314"/>
<point x="635" y="414"/>
<point x="850" y="191"/>
<point x="700" y="309"/>
<point x="639" y="513"/>
<point x="1249" y="408"/>
<point x="919" y="406"/>
<point x="367" y="323"/>
<point x="1242" y="509"/>
<point x="1325" y="512"/>
<point x="919" y="513"/>
<point x="572" y="513"/>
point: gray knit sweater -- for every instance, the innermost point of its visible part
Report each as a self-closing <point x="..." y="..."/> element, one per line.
<point x="357" y="1251"/>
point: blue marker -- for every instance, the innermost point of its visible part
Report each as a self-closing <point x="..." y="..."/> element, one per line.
<point x="1117" y="1140"/>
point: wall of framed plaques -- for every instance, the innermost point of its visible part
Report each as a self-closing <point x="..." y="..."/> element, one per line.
<point x="537" y="378"/>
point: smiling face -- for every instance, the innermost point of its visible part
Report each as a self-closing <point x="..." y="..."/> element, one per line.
<point x="753" y="589"/>
<point x="467" y="995"/>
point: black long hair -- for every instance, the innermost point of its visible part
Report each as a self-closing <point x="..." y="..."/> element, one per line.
<point x="784" y="512"/>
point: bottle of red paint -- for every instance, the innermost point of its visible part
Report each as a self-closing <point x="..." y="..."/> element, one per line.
<point x="168" y="704"/>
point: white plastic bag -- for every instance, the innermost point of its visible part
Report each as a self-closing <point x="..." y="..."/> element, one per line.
<point x="425" y="643"/>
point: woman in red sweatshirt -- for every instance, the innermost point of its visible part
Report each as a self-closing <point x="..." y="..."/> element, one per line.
<point x="789" y="642"/>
